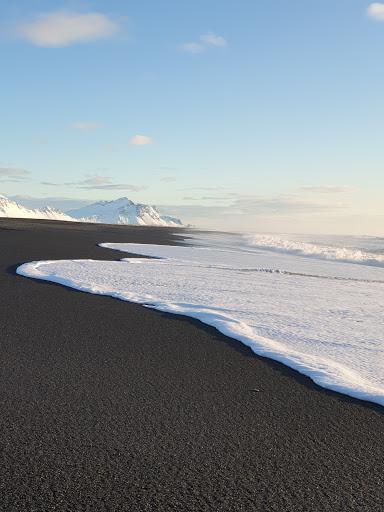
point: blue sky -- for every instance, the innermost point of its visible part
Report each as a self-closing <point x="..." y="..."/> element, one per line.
<point x="258" y="115"/>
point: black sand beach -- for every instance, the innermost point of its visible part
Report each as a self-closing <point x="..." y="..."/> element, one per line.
<point x="109" y="406"/>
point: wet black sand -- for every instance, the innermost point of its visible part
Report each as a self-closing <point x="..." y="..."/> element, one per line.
<point x="108" y="406"/>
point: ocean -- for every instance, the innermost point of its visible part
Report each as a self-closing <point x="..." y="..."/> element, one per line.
<point x="314" y="303"/>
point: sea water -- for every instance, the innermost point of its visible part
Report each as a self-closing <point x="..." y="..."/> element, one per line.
<point x="313" y="303"/>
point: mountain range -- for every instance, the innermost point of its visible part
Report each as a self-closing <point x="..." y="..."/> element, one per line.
<point x="9" y="208"/>
<point x="119" y="211"/>
<point x="123" y="211"/>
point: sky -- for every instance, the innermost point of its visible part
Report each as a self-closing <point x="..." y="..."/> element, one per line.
<point x="253" y="115"/>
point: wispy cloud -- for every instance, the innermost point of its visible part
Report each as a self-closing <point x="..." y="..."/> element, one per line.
<point x="376" y="11"/>
<point x="97" y="183"/>
<point x="197" y="211"/>
<point x="209" y="189"/>
<point x="212" y="39"/>
<point x="104" y="183"/>
<point x="277" y="205"/>
<point x="63" y="28"/>
<point x="13" y="174"/>
<point x="247" y="206"/>
<point x="168" y="179"/>
<point x="140" y="140"/>
<point x="193" y="48"/>
<point x="207" y="198"/>
<point x="113" y="186"/>
<point x="85" y="126"/>
<point x="328" y="189"/>
<point x="205" y="41"/>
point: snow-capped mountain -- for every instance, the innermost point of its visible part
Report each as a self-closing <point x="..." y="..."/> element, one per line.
<point x="120" y="211"/>
<point x="123" y="211"/>
<point x="9" y="208"/>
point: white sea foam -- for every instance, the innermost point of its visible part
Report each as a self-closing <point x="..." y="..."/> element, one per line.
<point x="322" y="318"/>
<point x="297" y="246"/>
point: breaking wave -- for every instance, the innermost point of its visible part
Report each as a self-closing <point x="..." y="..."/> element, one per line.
<point x="298" y="247"/>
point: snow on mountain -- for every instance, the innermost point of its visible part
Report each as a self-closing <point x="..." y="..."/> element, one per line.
<point x="120" y="211"/>
<point x="123" y="211"/>
<point x="9" y="208"/>
<point x="173" y="221"/>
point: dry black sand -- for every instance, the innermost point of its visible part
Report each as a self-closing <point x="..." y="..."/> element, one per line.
<point x="106" y="405"/>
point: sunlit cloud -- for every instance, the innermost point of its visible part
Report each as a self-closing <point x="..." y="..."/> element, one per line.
<point x="140" y="140"/>
<point x="376" y="11"/>
<point x="63" y="28"/>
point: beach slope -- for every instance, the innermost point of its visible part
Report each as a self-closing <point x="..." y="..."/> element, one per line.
<point x="107" y="405"/>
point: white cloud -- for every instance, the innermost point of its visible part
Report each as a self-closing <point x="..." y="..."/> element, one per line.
<point x="168" y="179"/>
<point x="140" y="140"/>
<point x="193" y="47"/>
<point x="212" y="39"/>
<point x="86" y="126"/>
<point x="376" y="11"/>
<point x="63" y="28"/>
<point x="205" y="40"/>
